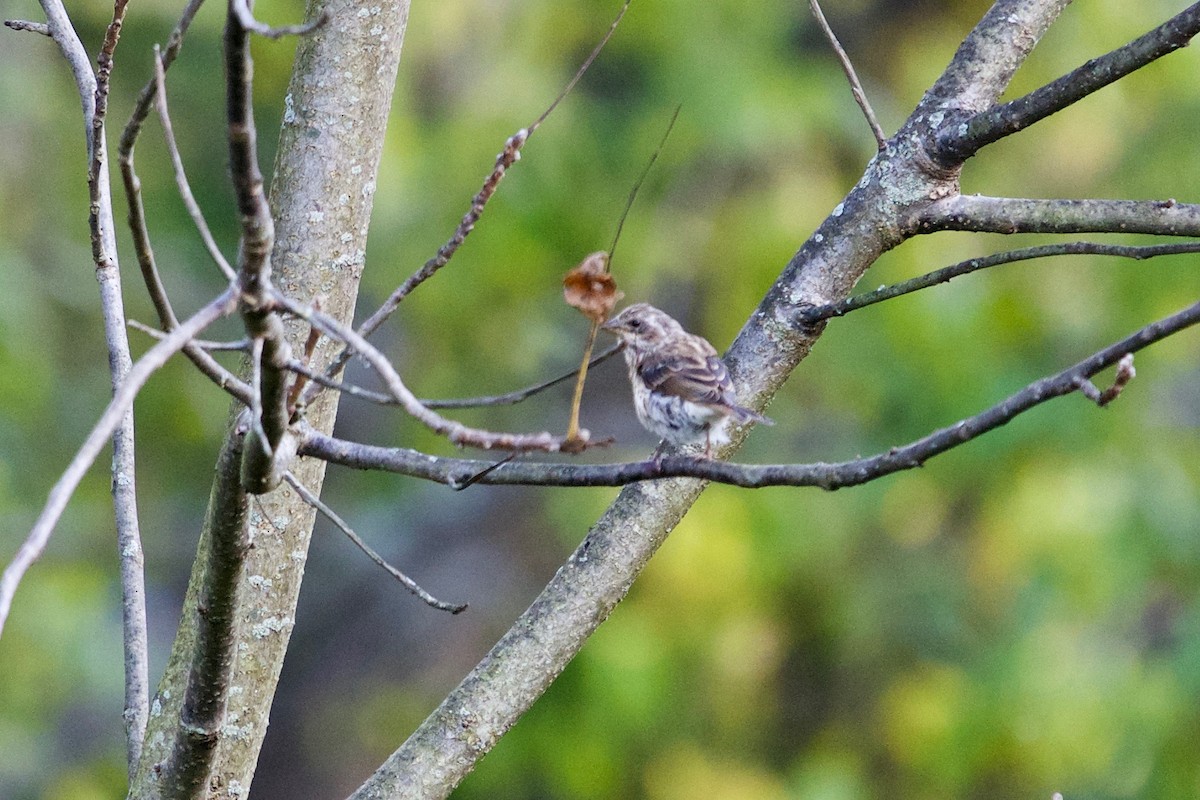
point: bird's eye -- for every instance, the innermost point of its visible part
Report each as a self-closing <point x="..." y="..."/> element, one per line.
<point x="635" y="323"/>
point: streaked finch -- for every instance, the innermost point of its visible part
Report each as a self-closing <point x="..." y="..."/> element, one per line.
<point x="681" y="387"/>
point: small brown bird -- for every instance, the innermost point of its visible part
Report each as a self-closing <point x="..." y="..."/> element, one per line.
<point x="681" y="388"/>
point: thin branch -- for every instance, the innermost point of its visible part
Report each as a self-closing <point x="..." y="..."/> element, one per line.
<point x="303" y="369"/>
<point x="93" y="93"/>
<point x="856" y="87"/>
<point x="26" y="25"/>
<point x="455" y="432"/>
<point x="408" y="583"/>
<point x="504" y="160"/>
<point x="962" y="139"/>
<point x="511" y="398"/>
<point x="456" y="472"/>
<point x="145" y="98"/>
<point x="1137" y="252"/>
<point x="1020" y="215"/>
<point x="637" y="186"/>
<point x="120" y="404"/>
<point x="264" y="461"/>
<point x="519" y="395"/>
<point x="222" y="377"/>
<point x="208" y="345"/>
<point x="587" y="62"/>
<point x="181" y="181"/>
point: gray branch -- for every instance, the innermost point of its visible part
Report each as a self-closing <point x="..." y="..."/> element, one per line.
<point x="1021" y="215"/>
<point x="460" y="473"/>
<point x="959" y="140"/>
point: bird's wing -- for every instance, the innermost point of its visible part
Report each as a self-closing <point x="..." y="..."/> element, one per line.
<point x="694" y="376"/>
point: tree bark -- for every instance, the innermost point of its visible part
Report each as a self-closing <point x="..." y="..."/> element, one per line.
<point x="322" y="191"/>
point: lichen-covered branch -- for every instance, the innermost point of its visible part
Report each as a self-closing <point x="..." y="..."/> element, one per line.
<point x="959" y="140"/>
<point x="224" y="544"/>
<point x="1023" y="215"/>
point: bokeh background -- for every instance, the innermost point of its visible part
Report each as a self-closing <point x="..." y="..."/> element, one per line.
<point x="1019" y="617"/>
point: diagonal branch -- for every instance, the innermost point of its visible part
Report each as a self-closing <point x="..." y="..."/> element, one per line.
<point x="456" y="432"/>
<point x="1139" y="253"/>
<point x="961" y="140"/>
<point x="185" y="773"/>
<point x="856" y="87"/>
<point x="457" y="472"/>
<point x="117" y="408"/>
<point x="407" y="582"/>
<point x="990" y="55"/>
<point x="1020" y="215"/>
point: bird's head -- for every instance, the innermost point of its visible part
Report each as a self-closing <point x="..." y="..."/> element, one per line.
<point x="643" y="326"/>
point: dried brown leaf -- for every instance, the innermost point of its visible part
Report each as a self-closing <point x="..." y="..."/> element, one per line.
<point x="591" y="288"/>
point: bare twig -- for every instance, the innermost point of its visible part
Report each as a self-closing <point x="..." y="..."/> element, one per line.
<point x="409" y="583"/>
<point x="1138" y="252"/>
<point x="959" y="140"/>
<point x="26" y="25"/>
<point x="1021" y="215"/>
<point x="120" y="404"/>
<point x="241" y="8"/>
<point x="637" y="185"/>
<point x="455" y="472"/>
<point x="240" y="346"/>
<point x="181" y="181"/>
<point x="93" y="94"/>
<point x="587" y="62"/>
<point x="856" y="88"/>
<point x="142" y="107"/>
<point x="455" y="432"/>
<point x="512" y="398"/>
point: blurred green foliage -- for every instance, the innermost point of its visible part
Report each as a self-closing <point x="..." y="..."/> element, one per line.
<point x="1019" y="617"/>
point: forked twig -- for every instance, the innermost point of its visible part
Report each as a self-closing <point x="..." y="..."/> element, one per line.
<point x="331" y="515"/>
<point x="455" y="432"/>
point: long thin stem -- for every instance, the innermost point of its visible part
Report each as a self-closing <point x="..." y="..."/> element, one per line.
<point x="407" y="582"/>
<point x="1138" y="252"/>
<point x="856" y="88"/>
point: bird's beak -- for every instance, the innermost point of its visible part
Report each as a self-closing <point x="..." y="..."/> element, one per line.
<point x="612" y="326"/>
